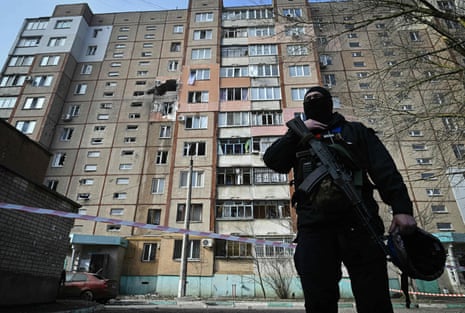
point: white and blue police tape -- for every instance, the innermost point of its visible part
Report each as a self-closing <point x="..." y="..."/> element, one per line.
<point x="166" y="229"/>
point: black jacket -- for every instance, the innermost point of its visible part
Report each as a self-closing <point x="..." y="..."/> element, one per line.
<point x="369" y="154"/>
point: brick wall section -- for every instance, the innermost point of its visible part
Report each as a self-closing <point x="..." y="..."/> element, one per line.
<point x="32" y="246"/>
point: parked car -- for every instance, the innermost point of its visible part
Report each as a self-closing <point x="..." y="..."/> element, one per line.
<point x="88" y="286"/>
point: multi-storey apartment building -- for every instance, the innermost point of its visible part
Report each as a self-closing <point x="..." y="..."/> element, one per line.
<point x="127" y="102"/>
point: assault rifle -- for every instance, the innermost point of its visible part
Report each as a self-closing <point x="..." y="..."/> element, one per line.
<point x="329" y="166"/>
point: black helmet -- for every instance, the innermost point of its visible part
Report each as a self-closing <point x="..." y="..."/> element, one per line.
<point x="419" y="255"/>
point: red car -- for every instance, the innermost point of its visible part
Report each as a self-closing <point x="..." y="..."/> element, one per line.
<point x="88" y="286"/>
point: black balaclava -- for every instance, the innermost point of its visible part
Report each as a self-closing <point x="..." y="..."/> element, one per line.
<point x="320" y="109"/>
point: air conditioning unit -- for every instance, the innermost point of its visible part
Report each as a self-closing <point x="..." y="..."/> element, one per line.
<point x="67" y="117"/>
<point x="181" y="118"/>
<point x="207" y="242"/>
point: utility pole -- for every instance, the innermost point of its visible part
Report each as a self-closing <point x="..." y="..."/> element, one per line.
<point x="185" y="238"/>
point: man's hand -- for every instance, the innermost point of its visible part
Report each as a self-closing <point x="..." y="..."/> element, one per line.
<point x="312" y="124"/>
<point x="404" y="222"/>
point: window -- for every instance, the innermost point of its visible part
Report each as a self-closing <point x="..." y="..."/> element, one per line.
<point x="125" y="166"/>
<point x="194" y="148"/>
<point x="240" y="209"/>
<point x="96" y="141"/>
<point x="292" y="12"/>
<point x="51" y="60"/>
<point x="175" y="47"/>
<point x="265" y="93"/>
<point x="8" y="102"/>
<point x="113" y="228"/>
<point x="80" y="89"/>
<point x="264" y="49"/>
<point x="86" y="69"/>
<point x="359" y="64"/>
<point x="234" y="176"/>
<point x="21" y="60"/>
<point x="120" y="195"/>
<point x="52" y="184"/>
<point x="298" y="94"/>
<point x="153" y="216"/>
<point x="66" y="134"/>
<point x="173" y="65"/>
<point x="33" y="103"/>
<point x="26" y="127"/>
<point x="197" y="179"/>
<point x="444" y="226"/>
<point x="294" y="31"/>
<point x="196" y="122"/>
<point x="122" y="181"/>
<point x="83" y="196"/>
<point x="37" y="24"/>
<point x="268" y="176"/>
<point x="197" y="97"/>
<point x="56" y="42"/>
<point x="424" y="161"/>
<point x="158" y="185"/>
<point x="162" y="157"/>
<point x="101" y="117"/>
<point x="116" y="211"/>
<point x="234" y="94"/>
<point x="232" y="249"/>
<point x="329" y="80"/>
<point x="415" y="133"/>
<point x="261" y="31"/>
<point x="199" y="74"/>
<point x="178" y="29"/>
<point x="134" y="115"/>
<point x="148" y="252"/>
<point x="266" y="118"/>
<point x="428" y="176"/>
<point x="459" y="151"/>
<point x="234" y="52"/>
<point x="90" y="168"/>
<point x="165" y="131"/>
<point x="239" y="71"/>
<point x="12" y="80"/>
<point x="204" y="17"/>
<point x="59" y="159"/>
<point x="26" y="42"/>
<point x="193" y="249"/>
<point x="297" y="50"/>
<point x="60" y="24"/>
<point x="433" y="192"/>
<point x="127" y="152"/>
<point x="42" y="81"/>
<point x="203" y="34"/>
<point x="438" y="208"/>
<point x="93" y="154"/>
<point x="86" y="181"/>
<point x="262" y="251"/>
<point x="234" y="146"/>
<point x="195" y="212"/>
<point x="91" y="50"/>
<point x="414" y="36"/>
<point x="122" y="37"/>
<point x="419" y="147"/>
<point x="234" y="119"/>
<point x="299" y="70"/>
<point x="199" y="54"/>
<point x="263" y="70"/>
<point x="149" y="36"/>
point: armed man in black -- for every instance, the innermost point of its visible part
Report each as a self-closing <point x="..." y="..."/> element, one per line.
<point x="330" y="231"/>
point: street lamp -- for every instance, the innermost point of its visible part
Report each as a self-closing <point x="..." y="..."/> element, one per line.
<point x="185" y="237"/>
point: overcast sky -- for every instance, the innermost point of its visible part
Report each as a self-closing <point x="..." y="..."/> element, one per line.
<point x="13" y="12"/>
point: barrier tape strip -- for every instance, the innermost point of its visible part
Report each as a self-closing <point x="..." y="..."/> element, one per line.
<point x="167" y="229"/>
<point x="431" y="294"/>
